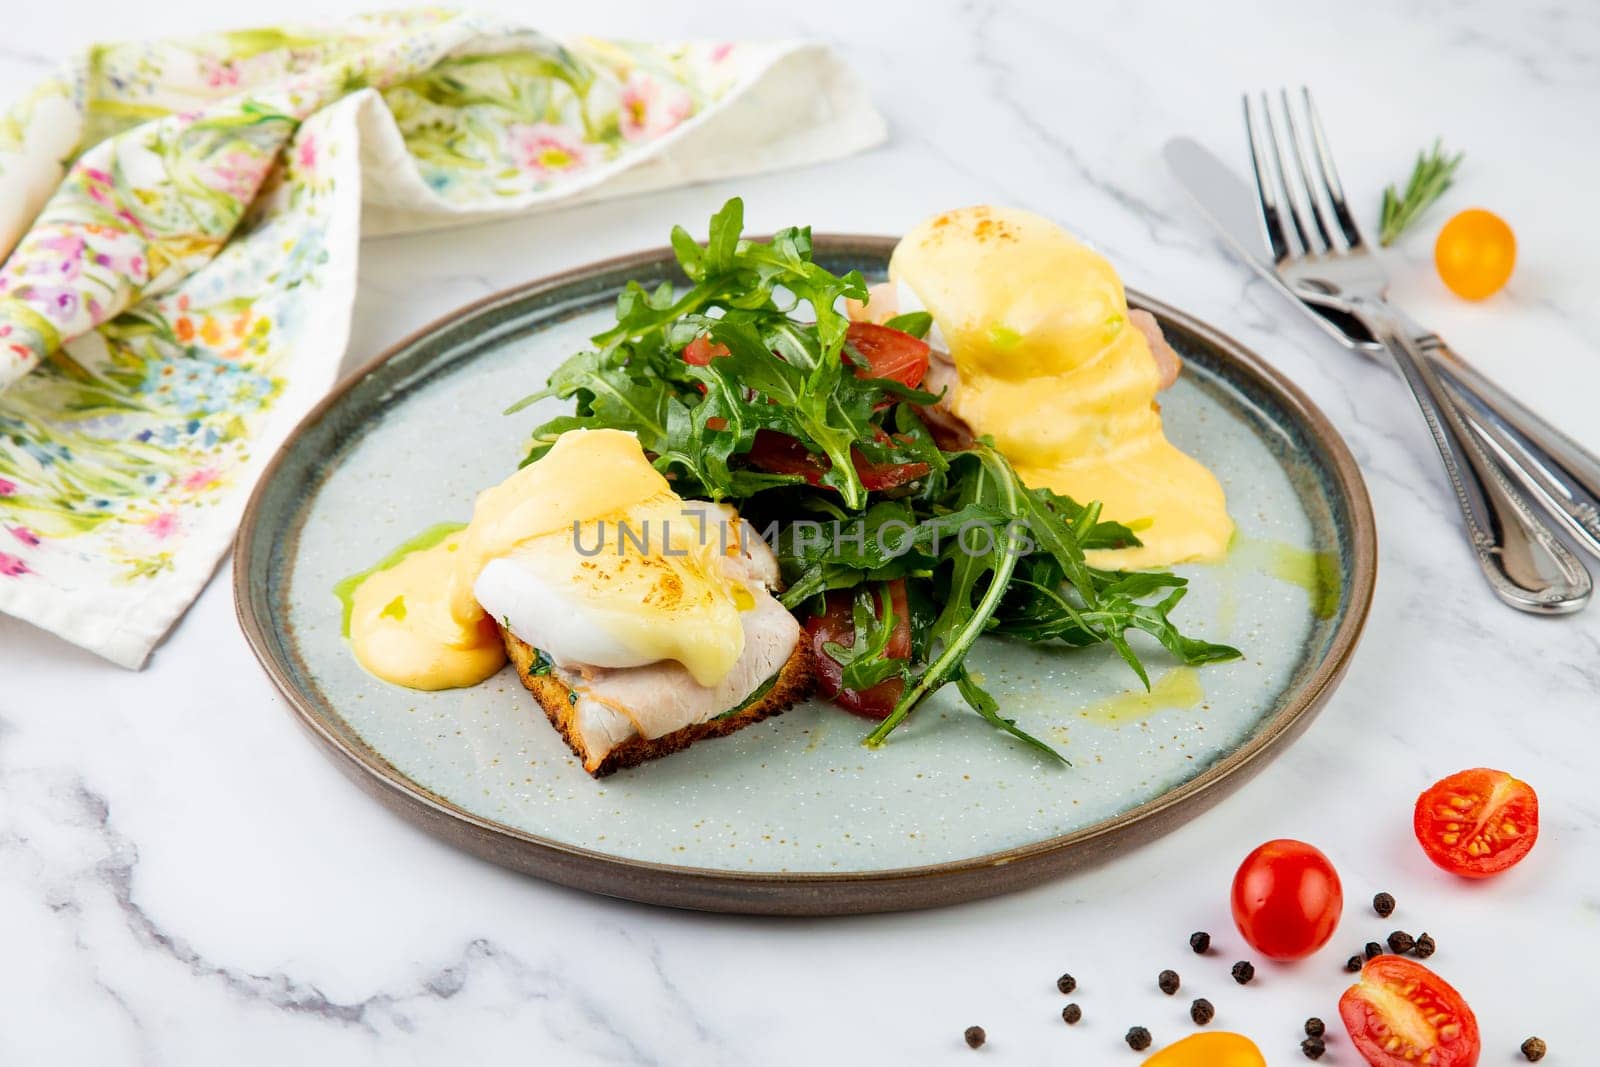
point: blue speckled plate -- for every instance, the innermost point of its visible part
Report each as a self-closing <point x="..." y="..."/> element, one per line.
<point x="793" y="815"/>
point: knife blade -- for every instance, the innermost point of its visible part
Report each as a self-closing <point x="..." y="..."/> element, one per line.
<point x="1230" y="206"/>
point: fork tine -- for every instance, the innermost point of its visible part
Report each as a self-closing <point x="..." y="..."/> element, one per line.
<point x="1290" y="205"/>
<point x="1330" y="174"/>
<point x="1266" y="196"/>
<point x="1304" y="170"/>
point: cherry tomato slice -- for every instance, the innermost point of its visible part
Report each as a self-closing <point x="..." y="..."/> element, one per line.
<point x="837" y="626"/>
<point x="1400" y="1014"/>
<point x="889" y="353"/>
<point x="702" y="350"/>
<point x="1287" y="899"/>
<point x="779" y="453"/>
<point x="1477" y="823"/>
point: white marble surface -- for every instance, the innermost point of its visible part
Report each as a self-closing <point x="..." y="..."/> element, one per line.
<point x="185" y="879"/>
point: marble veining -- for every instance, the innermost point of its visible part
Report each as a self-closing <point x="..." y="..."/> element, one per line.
<point x="184" y="878"/>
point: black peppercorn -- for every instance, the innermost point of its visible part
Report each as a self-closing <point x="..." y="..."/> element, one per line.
<point x="1424" y="947"/>
<point x="975" y="1036"/>
<point x="1383" y="904"/>
<point x="1167" y="982"/>
<point x="1313" y="1048"/>
<point x="1314" y="1027"/>
<point x="1353" y="964"/>
<point x="1202" y="1012"/>
<point x="1374" y="950"/>
<point x="1071" y="1014"/>
<point x="1066" y="983"/>
<point x="1243" y="971"/>
<point x="1401" y="942"/>
<point x="1534" y="1049"/>
<point x="1200" y="941"/>
<point x="1138" y="1038"/>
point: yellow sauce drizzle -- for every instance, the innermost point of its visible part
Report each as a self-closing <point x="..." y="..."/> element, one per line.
<point x="1315" y="572"/>
<point x="1177" y="689"/>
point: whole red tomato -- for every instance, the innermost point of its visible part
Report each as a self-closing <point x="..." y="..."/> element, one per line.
<point x="1287" y="899"/>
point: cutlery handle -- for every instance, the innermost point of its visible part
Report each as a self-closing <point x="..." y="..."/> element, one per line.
<point x="1526" y="565"/>
<point x="1534" y="470"/>
<point x="1569" y="472"/>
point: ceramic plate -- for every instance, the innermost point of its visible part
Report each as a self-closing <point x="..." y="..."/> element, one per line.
<point x="793" y="815"/>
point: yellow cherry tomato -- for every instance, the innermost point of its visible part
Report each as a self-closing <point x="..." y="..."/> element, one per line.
<point x="1216" y="1048"/>
<point x="1475" y="253"/>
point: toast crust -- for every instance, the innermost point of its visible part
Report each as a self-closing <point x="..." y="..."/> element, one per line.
<point x="794" y="683"/>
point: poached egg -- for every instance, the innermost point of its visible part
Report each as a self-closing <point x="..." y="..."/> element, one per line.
<point x="1049" y="364"/>
<point x="587" y="555"/>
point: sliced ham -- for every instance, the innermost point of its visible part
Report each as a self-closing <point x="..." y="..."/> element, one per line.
<point x="618" y="703"/>
<point x="1168" y="363"/>
<point x="653" y="701"/>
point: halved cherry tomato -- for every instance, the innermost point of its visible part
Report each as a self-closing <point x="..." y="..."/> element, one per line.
<point x="837" y="627"/>
<point x="702" y="350"/>
<point x="779" y="453"/>
<point x="1400" y="1014"/>
<point x="1477" y="823"/>
<point x="1475" y="254"/>
<point x="889" y="353"/>
<point x="876" y="476"/>
<point x="1287" y="899"/>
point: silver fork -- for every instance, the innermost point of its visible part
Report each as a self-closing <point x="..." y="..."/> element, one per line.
<point x="1319" y="253"/>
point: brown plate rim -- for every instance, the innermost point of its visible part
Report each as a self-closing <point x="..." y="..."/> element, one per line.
<point x="805" y="892"/>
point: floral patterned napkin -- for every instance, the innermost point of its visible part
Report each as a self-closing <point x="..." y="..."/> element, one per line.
<point x="178" y="292"/>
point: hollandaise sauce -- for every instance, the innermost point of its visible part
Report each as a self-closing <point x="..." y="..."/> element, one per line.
<point x="415" y="620"/>
<point x="1050" y="367"/>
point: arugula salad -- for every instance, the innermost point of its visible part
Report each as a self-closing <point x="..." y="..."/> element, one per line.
<point x="901" y="542"/>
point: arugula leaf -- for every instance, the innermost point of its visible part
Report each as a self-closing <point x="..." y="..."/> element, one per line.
<point x="985" y="705"/>
<point x="866" y="661"/>
<point x="990" y="490"/>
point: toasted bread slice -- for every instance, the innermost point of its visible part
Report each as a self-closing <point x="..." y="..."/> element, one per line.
<point x="792" y="684"/>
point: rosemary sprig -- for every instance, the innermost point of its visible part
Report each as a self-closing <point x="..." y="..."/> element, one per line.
<point x="1430" y="178"/>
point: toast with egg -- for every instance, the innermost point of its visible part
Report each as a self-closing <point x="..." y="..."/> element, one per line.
<point x="791" y="684"/>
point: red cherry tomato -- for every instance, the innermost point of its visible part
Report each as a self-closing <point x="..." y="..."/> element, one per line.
<point x="702" y="350"/>
<point x="1287" y="899"/>
<point x="1400" y="1014"/>
<point x="837" y="626"/>
<point x="889" y="353"/>
<point x="1477" y="823"/>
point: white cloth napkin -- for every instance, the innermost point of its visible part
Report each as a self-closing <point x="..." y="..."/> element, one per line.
<point x="180" y="295"/>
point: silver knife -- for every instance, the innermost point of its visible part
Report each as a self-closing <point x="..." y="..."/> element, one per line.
<point x="1555" y="470"/>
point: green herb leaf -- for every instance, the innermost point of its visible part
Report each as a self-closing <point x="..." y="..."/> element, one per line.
<point x="1433" y="173"/>
<point x="866" y="661"/>
<point x="916" y="323"/>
